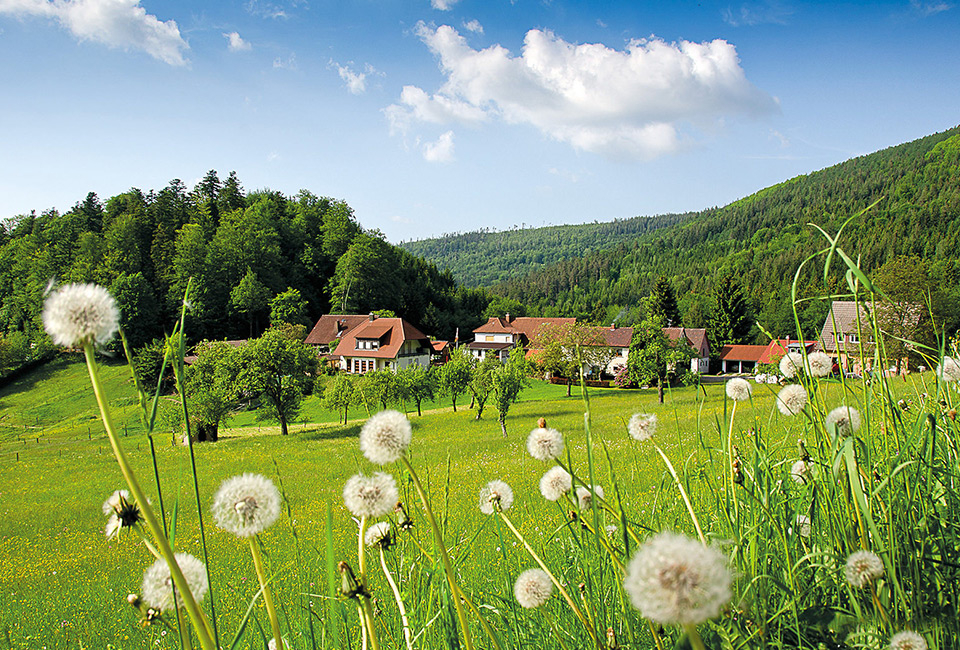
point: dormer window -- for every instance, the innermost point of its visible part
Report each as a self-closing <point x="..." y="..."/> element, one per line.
<point x="368" y="344"/>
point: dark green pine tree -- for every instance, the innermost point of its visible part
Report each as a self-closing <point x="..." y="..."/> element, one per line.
<point x="664" y="302"/>
<point x="730" y="321"/>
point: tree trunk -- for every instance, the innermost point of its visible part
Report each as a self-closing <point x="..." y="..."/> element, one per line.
<point x="569" y="384"/>
<point x="503" y="426"/>
<point x="206" y="433"/>
<point x="454" y="400"/>
<point x="283" y="425"/>
<point x="419" y="414"/>
<point x="660" y="390"/>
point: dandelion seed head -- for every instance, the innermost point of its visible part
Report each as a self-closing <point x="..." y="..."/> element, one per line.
<point x="533" y="588"/>
<point x="545" y="444"/>
<point x="791" y="364"/>
<point x="555" y="482"/>
<point x="122" y="512"/>
<point x="949" y="370"/>
<point x="845" y="420"/>
<point x="77" y="314"/>
<point x="791" y="399"/>
<point x="585" y="497"/>
<point x="385" y="437"/>
<point x="863" y="568"/>
<point x="642" y="426"/>
<point x="370" y="496"/>
<point x="495" y="496"/>
<point x="821" y="365"/>
<point x="112" y="505"/>
<point x="246" y="505"/>
<point x="378" y="535"/>
<point x="801" y="472"/>
<point x="739" y="389"/>
<point x="907" y="640"/>
<point x="674" y="580"/>
<point x="157" y="582"/>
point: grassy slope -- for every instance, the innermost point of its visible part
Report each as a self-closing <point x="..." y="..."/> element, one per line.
<point x="63" y="583"/>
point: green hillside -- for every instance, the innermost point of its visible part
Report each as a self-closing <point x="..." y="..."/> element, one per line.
<point x="760" y="240"/>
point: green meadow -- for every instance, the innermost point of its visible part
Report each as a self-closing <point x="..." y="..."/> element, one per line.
<point x="64" y="585"/>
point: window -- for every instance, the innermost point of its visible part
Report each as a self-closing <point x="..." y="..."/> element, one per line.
<point x="488" y="338"/>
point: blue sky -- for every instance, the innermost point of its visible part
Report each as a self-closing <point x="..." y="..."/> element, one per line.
<point x="434" y="116"/>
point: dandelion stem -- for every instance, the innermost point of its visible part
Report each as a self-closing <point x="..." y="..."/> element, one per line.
<point x="683" y="493"/>
<point x="447" y="567"/>
<point x="560" y="588"/>
<point x="267" y="597"/>
<point x="193" y="610"/>
<point x="396" y="596"/>
<point x="695" y="641"/>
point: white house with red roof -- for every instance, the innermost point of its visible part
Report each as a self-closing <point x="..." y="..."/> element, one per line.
<point x="382" y="344"/>
<point x="500" y="335"/>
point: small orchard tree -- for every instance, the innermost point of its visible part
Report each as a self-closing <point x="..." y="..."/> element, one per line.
<point x="280" y="368"/>
<point x="508" y="380"/>
<point x="654" y="358"/>
<point x="567" y="348"/>
<point x="417" y="383"/>
<point x="339" y="396"/>
<point x="381" y="386"/>
<point x="481" y="381"/>
<point x="213" y="387"/>
<point x="454" y="375"/>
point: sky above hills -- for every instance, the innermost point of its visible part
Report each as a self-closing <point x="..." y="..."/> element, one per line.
<point x="434" y="116"/>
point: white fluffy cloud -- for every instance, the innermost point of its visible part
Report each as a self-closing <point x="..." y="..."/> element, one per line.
<point x="443" y="5"/>
<point x="356" y="81"/>
<point x="441" y="150"/>
<point x="639" y="102"/>
<point x="115" y="23"/>
<point x="473" y="26"/>
<point x="236" y="43"/>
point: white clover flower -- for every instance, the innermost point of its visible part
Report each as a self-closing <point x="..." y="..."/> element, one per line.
<point x="378" y="535"/>
<point x="370" y="496"/>
<point x="845" y="420"/>
<point x="611" y="530"/>
<point x="545" y="444"/>
<point x="642" y="426"/>
<point x="907" y="640"/>
<point x="739" y="389"/>
<point x="673" y="580"/>
<point x="791" y="364"/>
<point x="801" y="472"/>
<point x="77" y="314"/>
<point x="555" y="482"/>
<point x="949" y="370"/>
<point x="157" y="586"/>
<point x="803" y="526"/>
<point x="863" y="568"/>
<point x="820" y="364"/>
<point x="495" y="496"/>
<point x="585" y="496"/>
<point x="533" y="588"/>
<point x="791" y="399"/>
<point x="385" y="437"/>
<point x="246" y="505"/>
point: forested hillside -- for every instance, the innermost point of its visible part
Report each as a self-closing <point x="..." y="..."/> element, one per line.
<point x="485" y="257"/>
<point x="762" y="239"/>
<point x="247" y="253"/>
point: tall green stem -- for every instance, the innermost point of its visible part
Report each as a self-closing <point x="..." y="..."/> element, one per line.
<point x="553" y="579"/>
<point x="265" y="588"/>
<point x="396" y="596"/>
<point x="447" y="567"/>
<point x="196" y="615"/>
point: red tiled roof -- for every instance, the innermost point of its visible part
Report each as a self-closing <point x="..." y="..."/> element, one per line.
<point x="330" y="327"/>
<point x="495" y="325"/>
<point x="742" y="352"/>
<point x="529" y="325"/>
<point x="391" y="332"/>
<point x="778" y="348"/>
<point x="618" y="337"/>
<point x="439" y="346"/>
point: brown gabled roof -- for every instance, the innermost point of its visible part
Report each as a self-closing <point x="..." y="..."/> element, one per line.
<point x="742" y="352"/>
<point x="330" y="327"/>
<point x="495" y="325"/>
<point x="618" y="337"/>
<point x="391" y="332"/>
<point x="529" y="325"/>
<point x="696" y="337"/>
<point x="439" y="346"/>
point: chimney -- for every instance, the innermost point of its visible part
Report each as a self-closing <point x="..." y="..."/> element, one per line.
<point x="373" y="316"/>
<point x="508" y="317"/>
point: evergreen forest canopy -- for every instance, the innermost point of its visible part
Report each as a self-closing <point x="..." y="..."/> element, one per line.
<point x="253" y="257"/>
<point x="909" y="238"/>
